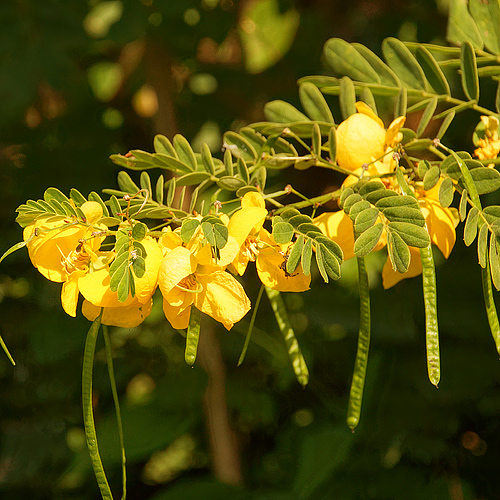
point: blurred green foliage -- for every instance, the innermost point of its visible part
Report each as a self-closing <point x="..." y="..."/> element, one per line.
<point x="82" y="80"/>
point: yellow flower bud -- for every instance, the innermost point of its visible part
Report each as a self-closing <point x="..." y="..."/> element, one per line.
<point x="360" y="139"/>
<point x="92" y="211"/>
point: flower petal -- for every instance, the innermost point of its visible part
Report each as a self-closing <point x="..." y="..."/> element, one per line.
<point x="222" y="298"/>
<point x="69" y="296"/>
<point x="440" y="224"/>
<point x="177" y="316"/>
<point x="128" y="316"/>
<point x="175" y="266"/>
<point x="339" y="227"/>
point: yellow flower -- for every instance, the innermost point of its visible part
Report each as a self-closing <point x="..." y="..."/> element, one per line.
<point x="56" y="247"/>
<point x="95" y="288"/>
<point x="362" y="138"/>
<point x="255" y="244"/>
<point x="489" y="147"/>
<point x="64" y="251"/>
<point x="184" y="282"/>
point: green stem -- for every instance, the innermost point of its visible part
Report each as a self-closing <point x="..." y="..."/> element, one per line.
<point x="360" y="366"/>
<point x="116" y="401"/>
<point x="250" y="326"/>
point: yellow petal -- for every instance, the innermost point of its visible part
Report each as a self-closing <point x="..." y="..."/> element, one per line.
<point x="69" y="297"/>
<point x="440" y="224"/>
<point x="169" y="240"/>
<point x="222" y="298"/>
<point x="392" y="135"/>
<point x="339" y="227"/>
<point x="92" y="211"/>
<point x="391" y="277"/>
<point x="95" y="288"/>
<point x="177" y="316"/>
<point x="128" y="316"/>
<point x="178" y="264"/>
<point x="253" y="199"/>
<point x="360" y="139"/>
<point x="54" y="242"/>
<point x="146" y="285"/>
<point x="246" y="220"/>
<point x="363" y="108"/>
<point x="270" y="263"/>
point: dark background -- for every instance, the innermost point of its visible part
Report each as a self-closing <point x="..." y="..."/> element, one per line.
<point x="82" y="80"/>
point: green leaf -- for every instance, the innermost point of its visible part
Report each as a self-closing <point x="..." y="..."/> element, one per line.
<point x="259" y="178"/>
<point x="444" y="126"/>
<point x="347" y="97"/>
<point x="54" y="194"/>
<point x="93" y="196"/>
<point x="486" y="14"/>
<point x="77" y="197"/>
<point x="295" y="255"/>
<point x="401" y="102"/>
<point x="407" y="214"/>
<point x="12" y="249"/>
<point x="346" y="192"/>
<point x="185" y="151"/>
<point x="357" y="208"/>
<point x="332" y="143"/>
<point x="126" y="184"/>
<point x="482" y="246"/>
<point x="433" y="72"/>
<point x="192" y="178"/>
<point x="494" y="262"/>
<point x="228" y="163"/>
<point x="368" y="99"/>
<point x="399" y="253"/>
<point x="314" y="103"/>
<point x="139" y="231"/>
<point x="446" y="192"/>
<point x="163" y="146"/>
<point x="486" y="180"/>
<point x="365" y="219"/>
<point x="350" y="201"/>
<point x="397" y="201"/>
<point x="207" y="159"/>
<point x="470" y="228"/>
<point x="115" y="206"/>
<point x="139" y="267"/>
<point x="282" y="232"/>
<point x="431" y="178"/>
<point x="403" y="63"/>
<point x="411" y="234"/>
<point x="230" y="183"/>
<point x="497" y="98"/>
<point x="172" y="164"/>
<point x="461" y="25"/>
<point x="316" y="141"/>
<point x="331" y="255"/>
<point x="145" y="182"/>
<point x="345" y="60"/>
<point x="172" y="184"/>
<point x="160" y="189"/>
<point x="367" y="241"/>
<point x="239" y="146"/>
<point x="427" y="116"/>
<point x="462" y="210"/>
<point x="282" y="112"/>
<point x="307" y="257"/>
<point x="124" y="285"/>
<point x="386" y="75"/>
<point x="243" y="172"/>
<point x="423" y="167"/>
<point x="469" y="76"/>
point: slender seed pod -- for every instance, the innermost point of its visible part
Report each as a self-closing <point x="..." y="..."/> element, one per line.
<point x="431" y="320"/>
<point x="359" y="375"/>
<point x="88" y="413"/>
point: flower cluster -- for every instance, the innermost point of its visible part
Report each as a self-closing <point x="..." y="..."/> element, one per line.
<point x="188" y="273"/>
